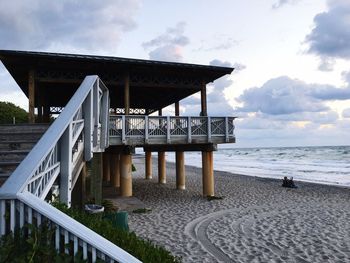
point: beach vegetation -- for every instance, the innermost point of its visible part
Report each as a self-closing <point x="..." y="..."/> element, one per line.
<point x="142" y="210"/>
<point x="144" y="250"/>
<point x="20" y="247"/>
<point x="9" y="112"/>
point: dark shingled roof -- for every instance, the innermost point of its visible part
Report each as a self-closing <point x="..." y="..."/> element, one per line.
<point x="153" y="84"/>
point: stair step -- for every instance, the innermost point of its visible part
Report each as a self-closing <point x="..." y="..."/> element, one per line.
<point x="16" y="141"/>
<point x="17" y="145"/>
<point x="40" y="127"/>
<point x="8" y="166"/>
<point x="14" y="136"/>
<point x="15" y="155"/>
<point x="5" y="175"/>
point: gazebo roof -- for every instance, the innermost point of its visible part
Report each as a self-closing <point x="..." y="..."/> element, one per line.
<point x="153" y="84"/>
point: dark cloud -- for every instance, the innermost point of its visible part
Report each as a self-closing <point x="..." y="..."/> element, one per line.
<point x="287" y="96"/>
<point x="237" y="66"/>
<point x="169" y="45"/>
<point x="330" y="37"/>
<point x="281" y="3"/>
<point x="56" y="25"/>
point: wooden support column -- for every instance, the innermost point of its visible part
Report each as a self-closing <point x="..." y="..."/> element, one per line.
<point x="207" y="174"/>
<point x="40" y="98"/>
<point x="177" y="108"/>
<point x="180" y="158"/>
<point x="180" y="171"/>
<point x="127" y="94"/>
<point x="31" y="96"/>
<point x="83" y="175"/>
<point x="125" y="175"/>
<point x="96" y="178"/>
<point x="46" y="107"/>
<point x="204" y="111"/>
<point x="106" y="167"/>
<point x="115" y="170"/>
<point x="79" y="190"/>
<point x="161" y="168"/>
<point x="148" y="162"/>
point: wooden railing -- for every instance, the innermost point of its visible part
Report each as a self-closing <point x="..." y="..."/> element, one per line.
<point x="139" y="130"/>
<point x="80" y="130"/>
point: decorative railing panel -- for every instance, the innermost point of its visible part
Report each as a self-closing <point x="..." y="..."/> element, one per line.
<point x="139" y="130"/>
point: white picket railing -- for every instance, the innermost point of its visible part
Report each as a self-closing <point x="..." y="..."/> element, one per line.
<point x="136" y="130"/>
<point x="80" y="130"/>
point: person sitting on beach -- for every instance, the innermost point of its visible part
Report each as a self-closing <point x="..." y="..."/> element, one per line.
<point x="288" y="182"/>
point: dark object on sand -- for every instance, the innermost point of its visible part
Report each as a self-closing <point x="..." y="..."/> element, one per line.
<point x="288" y="182"/>
<point x="213" y="197"/>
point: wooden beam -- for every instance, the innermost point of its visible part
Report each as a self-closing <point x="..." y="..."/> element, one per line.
<point x="148" y="165"/>
<point x="127" y="94"/>
<point x="115" y="170"/>
<point x="106" y="167"/>
<point x="180" y="171"/>
<point x="31" y="96"/>
<point x="161" y="168"/>
<point x="177" y="108"/>
<point x="204" y="110"/>
<point x="180" y="147"/>
<point x="207" y="174"/>
<point x="125" y="175"/>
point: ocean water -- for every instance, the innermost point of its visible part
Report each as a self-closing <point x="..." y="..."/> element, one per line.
<point x="326" y="164"/>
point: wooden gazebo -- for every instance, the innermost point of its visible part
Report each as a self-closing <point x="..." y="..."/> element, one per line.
<point x="136" y="87"/>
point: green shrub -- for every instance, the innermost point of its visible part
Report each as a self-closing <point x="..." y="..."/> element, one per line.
<point x="9" y="110"/>
<point x="19" y="247"/>
<point x="144" y="250"/>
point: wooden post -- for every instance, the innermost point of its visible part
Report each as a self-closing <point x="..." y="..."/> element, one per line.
<point x="204" y="111"/>
<point x="115" y="170"/>
<point x="207" y="174"/>
<point x="180" y="171"/>
<point x="125" y="175"/>
<point x="83" y="185"/>
<point x="96" y="178"/>
<point x="161" y="168"/>
<point x="148" y="165"/>
<point x="31" y="96"/>
<point x="127" y="94"/>
<point x="177" y="108"/>
<point x="106" y="167"/>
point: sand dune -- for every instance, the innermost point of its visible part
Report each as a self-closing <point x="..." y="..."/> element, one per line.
<point x="257" y="221"/>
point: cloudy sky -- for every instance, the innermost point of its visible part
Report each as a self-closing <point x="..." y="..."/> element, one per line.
<point x="291" y="85"/>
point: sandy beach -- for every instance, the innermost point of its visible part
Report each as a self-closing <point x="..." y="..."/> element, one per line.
<point x="256" y="221"/>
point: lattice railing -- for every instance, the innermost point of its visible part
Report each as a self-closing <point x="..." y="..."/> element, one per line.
<point x="80" y="130"/>
<point x="165" y="129"/>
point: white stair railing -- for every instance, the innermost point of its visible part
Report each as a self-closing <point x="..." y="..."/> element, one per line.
<point x="80" y="130"/>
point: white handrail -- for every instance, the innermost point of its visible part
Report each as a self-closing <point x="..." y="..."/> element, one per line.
<point x="80" y="130"/>
<point x="21" y="176"/>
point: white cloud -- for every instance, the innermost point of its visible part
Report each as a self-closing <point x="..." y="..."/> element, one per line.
<point x="43" y="25"/>
<point x="169" y="45"/>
